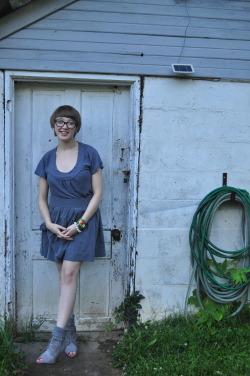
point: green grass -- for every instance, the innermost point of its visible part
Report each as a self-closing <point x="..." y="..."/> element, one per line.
<point x="11" y="358"/>
<point x="179" y="347"/>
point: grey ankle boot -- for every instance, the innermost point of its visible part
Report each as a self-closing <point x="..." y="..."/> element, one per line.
<point x="55" y="348"/>
<point x="70" y="339"/>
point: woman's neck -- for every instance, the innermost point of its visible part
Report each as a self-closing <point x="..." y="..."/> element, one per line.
<point x="63" y="146"/>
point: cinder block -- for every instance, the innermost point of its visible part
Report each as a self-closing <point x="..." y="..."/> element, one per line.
<point x="191" y="94"/>
<point x="161" y="301"/>
<point x="166" y="214"/>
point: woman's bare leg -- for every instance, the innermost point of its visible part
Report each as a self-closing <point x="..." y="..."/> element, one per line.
<point x="68" y="273"/>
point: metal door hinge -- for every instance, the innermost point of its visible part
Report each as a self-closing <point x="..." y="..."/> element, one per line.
<point x="9" y="105"/>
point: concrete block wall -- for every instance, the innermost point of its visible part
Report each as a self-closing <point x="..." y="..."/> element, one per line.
<point x="192" y="132"/>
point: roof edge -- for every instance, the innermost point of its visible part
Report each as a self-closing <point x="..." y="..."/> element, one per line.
<point x="29" y="14"/>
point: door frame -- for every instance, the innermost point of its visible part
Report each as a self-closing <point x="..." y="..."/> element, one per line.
<point x="11" y="77"/>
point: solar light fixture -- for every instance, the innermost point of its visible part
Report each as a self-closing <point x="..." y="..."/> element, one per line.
<point x="182" y="68"/>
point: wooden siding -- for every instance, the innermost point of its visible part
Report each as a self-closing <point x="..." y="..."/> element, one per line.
<point x="31" y="13"/>
<point x="142" y="37"/>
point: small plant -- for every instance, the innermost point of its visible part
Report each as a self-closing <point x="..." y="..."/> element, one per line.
<point x="239" y="275"/>
<point x="210" y="310"/>
<point x="128" y="311"/>
<point x="29" y="331"/>
<point x="11" y="358"/>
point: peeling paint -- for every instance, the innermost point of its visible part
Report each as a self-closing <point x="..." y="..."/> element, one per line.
<point x="133" y="233"/>
<point x="141" y="102"/>
<point x="6" y="238"/>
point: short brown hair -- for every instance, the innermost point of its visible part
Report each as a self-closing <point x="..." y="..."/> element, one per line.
<point x="68" y="112"/>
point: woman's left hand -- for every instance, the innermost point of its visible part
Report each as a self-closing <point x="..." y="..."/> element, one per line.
<point x="70" y="231"/>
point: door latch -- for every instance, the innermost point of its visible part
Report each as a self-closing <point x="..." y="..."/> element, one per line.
<point x="126" y="174"/>
<point x="116" y="235"/>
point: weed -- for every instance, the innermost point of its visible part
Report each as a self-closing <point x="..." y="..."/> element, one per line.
<point x="176" y="346"/>
<point x="11" y="358"/>
<point x="128" y="311"/>
<point x="211" y="311"/>
<point x="29" y="332"/>
<point x="215" y="305"/>
<point x="83" y="338"/>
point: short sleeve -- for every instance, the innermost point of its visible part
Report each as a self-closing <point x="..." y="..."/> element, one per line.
<point x="40" y="170"/>
<point x="96" y="161"/>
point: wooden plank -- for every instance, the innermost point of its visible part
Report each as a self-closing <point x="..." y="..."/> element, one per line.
<point x="110" y="17"/>
<point x="124" y="7"/>
<point x="127" y="49"/>
<point x="144" y="8"/>
<point x="129" y="69"/>
<point x="124" y="39"/>
<point x="112" y="58"/>
<point x="222" y="4"/>
<point x="162" y="30"/>
<point x="28" y="14"/>
<point x="129" y="18"/>
<point x="114" y="27"/>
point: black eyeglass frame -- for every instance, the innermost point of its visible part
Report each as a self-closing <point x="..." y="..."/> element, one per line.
<point x="65" y="122"/>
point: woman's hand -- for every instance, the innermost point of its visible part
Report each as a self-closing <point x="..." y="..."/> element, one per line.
<point x="61" y="232"/>
<point x="70" y="231"/>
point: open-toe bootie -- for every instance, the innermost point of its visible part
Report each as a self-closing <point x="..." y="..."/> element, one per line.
<point x="71" y="338"/>
<point x="55" y="348"/>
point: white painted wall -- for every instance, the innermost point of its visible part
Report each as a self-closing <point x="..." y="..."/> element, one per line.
<point x="192" y="132"/>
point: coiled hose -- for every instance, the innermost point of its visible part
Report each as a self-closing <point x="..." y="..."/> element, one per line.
<point x="206" y="256"/>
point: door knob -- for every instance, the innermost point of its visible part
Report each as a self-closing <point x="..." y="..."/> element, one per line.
<point x="116" y="235"/>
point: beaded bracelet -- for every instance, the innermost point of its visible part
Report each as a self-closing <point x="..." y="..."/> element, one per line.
<point x="77" y="227"/>
<point x="81" y="223"/>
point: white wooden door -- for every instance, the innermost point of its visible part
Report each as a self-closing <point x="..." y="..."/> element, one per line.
<point x="105" y="117"/>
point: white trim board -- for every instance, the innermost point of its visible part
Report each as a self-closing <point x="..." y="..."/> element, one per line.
<point x="29" y="14"/>
<point x="2" y="205"/>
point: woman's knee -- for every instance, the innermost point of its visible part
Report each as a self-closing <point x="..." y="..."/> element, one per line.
<point x="69" y="272"/>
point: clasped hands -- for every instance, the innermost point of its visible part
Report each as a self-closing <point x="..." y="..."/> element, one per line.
<point x="61" y="232"/>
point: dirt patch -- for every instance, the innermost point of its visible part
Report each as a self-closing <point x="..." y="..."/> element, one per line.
<point x="93" y="359"/>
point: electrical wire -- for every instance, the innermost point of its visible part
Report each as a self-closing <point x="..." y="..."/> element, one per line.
<point x="211" y="279"/>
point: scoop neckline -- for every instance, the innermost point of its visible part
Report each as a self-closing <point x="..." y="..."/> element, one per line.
<point x="73" y="169"/>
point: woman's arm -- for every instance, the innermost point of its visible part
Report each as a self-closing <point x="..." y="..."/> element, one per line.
<point x="44" y="210"/>
<point x="43" y="191"/>
<point x="97" y="196"/>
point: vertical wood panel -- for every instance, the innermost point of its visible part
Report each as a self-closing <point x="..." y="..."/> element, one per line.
<point x="2" y="227"/>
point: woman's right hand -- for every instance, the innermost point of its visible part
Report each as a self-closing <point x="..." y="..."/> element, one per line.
<point x="58" y="230"/>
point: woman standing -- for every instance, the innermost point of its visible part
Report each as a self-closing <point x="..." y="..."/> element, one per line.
<point x="72" y="228"/>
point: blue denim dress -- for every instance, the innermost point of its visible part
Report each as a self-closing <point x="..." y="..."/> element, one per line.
<point x="69" y="196"/>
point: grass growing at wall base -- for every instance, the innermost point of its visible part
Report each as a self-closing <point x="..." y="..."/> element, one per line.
<point x="11" y="358"/>
<point x="179" y="347"/>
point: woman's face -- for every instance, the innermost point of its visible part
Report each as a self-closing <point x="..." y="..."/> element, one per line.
<point x="65" y="128"/>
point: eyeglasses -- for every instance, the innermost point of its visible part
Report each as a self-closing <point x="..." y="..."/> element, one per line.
<point x="60" y="123"/>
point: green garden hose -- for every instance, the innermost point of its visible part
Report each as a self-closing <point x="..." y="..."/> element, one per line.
<point x="211" y="278"/>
